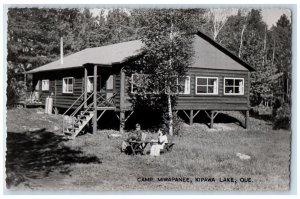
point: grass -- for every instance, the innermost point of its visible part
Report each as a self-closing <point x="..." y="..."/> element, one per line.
<point x="94" y="162"/>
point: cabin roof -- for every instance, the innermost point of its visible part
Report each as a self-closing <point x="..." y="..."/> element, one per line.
<point x="104" y="55"/>
<point x="210" y="55"/>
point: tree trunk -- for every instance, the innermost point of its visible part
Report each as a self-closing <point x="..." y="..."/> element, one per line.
<point x="170" y="113"/>
<point x="241" y="40"/>
<point x="273" y="56"/>
<point x="265" y="47"/>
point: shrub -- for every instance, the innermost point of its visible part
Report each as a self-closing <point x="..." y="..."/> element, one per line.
<point x="282" y="117"/>
<point x="177" y="124"/>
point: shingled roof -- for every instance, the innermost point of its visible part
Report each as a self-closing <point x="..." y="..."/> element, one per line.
<point x="208" y="54"/>
<point x="104" y="55"/>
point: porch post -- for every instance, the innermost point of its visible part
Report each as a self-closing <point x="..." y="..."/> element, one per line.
<point x="212" y="119"/>
<point x="95" y="101"/>
<point x="191" y="116"/>
<point x="122" y="93"/>
<point x="247" y="119"/>
<point x="85" y="87"/>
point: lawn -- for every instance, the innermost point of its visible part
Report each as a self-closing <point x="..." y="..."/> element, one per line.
<point x="39" y="158"/>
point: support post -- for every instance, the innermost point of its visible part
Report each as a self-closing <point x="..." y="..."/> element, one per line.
<point x="95" y="101"/>
<point x="191" y="116"/>
<point x="85" y="87"/>
<point x="122" y="97"/>
<point x="247" y="119"/>
<point x="212" y="119"/>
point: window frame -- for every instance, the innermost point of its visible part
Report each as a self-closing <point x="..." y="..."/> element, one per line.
<point x="185" y="77"/>
<point x="234" y="78"/>
<point x="47" y="89"/>
<point x="64" y="86"/>
<point x="205" y="77"/>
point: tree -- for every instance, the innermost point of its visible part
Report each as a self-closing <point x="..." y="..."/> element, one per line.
<point x="168" y="50"/>
<point x="217" y="18"/>
<point x="281" y="55"/>
<point x="33" y="40"/>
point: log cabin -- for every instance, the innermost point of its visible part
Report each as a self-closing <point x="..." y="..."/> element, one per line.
<point x="92" y="81"/>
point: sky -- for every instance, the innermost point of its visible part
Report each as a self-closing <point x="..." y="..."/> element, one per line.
<point x="271" y="16"/>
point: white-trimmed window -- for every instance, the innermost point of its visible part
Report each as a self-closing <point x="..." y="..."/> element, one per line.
<point x="207" y="85"/>
<point x="68" y="83"/>
<point x="233" y="86"/>
<point x="184" y="85"/>
<point x="45" y="84"/>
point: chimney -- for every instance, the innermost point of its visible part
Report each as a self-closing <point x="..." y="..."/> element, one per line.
<point x="61" y="50"/>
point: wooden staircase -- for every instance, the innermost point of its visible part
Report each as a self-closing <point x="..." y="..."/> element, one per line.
<point x="83" y="114"/>
<point x="79" y="123"/>
<point x="79" y="119"/>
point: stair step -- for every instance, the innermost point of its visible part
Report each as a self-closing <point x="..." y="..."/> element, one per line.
<point x="68" y="133"/>
<point x="81" y="120"/>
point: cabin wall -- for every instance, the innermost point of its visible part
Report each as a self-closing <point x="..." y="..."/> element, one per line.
<point x="60" y="99"/>
<point x="190" y="101"/>
<point x="195" y="101"/>
<point x="214" y="102"/>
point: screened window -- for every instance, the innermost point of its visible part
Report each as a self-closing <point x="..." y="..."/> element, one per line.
<point x="45" y="85"/>
<point x="68" y="83"/>
<point x="234" y="86"/>
<point x="207" y="85"/>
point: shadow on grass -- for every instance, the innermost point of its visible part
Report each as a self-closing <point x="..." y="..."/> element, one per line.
<point x="33" y="155"/>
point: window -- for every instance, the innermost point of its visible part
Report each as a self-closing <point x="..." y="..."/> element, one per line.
<point x="184" y="85"/>
<point x="110" y="83"/>
<point x="207" y="85"/>
<point x="90" y="83"/>
<point x="68" y="83"/>
<point x="37" y="86"/>
<point x="45" y="85"/>
<point x="233" y="86"/>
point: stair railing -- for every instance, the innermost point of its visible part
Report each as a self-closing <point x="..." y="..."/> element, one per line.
<point x="76" y="110"/>
<point x="74" y="103"/>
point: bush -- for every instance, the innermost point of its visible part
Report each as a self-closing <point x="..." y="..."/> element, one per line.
<point x="282" y="117"/>
<point x="177" y="124"/>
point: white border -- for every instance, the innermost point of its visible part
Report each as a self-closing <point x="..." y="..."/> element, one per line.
<point x="175" y="195"/>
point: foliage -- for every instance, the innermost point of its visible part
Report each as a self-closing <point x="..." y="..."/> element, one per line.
<point x="282" y="117"/>
<point x="247" y="36"/>
<point x="167" y="55"/>
<point x="178" y="123"/>
<point x="34" y="35"/>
